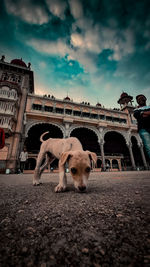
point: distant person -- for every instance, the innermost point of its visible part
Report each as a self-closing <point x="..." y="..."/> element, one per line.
<point x="142" y="114"/>
<point x="107" y="166"/>
<point x="51" y="168"/>
<point x="23" y="158"/>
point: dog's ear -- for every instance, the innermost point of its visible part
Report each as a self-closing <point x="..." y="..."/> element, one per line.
<point x="65" y="157"/>
<point x="92" y="156"/>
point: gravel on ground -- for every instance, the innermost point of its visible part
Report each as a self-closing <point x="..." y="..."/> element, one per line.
<point x="107" y="226"/>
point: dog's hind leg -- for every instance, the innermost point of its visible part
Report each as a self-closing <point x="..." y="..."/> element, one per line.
<point x="43" y="167"/>
<point x="48" y="161"/>
<point x="37" y="171"/>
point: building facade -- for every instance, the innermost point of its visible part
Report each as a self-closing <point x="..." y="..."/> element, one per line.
<point x="24" y="116"/>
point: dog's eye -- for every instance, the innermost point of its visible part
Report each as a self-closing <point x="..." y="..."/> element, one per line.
<point x="73" y="170"/>
<point x="88" y="169"/>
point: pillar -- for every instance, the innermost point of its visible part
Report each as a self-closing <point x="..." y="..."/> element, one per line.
<point x="119" y="164"/>
<point x="143" y="156"/>
<point x="102" y="155"/>
<point x="111" y="164"/>
<point x="67" y="126"/>
<point x="131" y="155"/>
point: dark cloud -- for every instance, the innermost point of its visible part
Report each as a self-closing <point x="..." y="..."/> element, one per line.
<point x="6" y="26"/>
<point x="136" y="68"/>
<point x="100" y="40"/>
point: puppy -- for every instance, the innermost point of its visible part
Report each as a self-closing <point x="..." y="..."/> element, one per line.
<point x="79" y="162"/>
<point x="66" y="150"/>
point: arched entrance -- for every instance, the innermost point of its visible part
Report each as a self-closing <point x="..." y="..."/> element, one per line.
<point x="115" y="164"/>
<point x="99" y="163"/>
<point x="30" y="165"/>
<point x="33" y="143"/>
<point x="107" y="164"/>
<point x="88" y="139"/>
<point x="115" y="147"/>
<point x="54" y="164"/>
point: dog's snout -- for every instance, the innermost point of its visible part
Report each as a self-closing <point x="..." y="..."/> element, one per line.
<point x="82" y="188"/>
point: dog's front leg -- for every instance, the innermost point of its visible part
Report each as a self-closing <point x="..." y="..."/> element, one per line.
<point x="61" y="187"/>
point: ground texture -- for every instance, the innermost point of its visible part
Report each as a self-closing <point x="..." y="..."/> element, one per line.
<point x="107" y="226"/>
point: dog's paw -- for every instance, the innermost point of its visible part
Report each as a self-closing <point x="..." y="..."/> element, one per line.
<point x="36" y="183"/>
<point x="59" y="188"/>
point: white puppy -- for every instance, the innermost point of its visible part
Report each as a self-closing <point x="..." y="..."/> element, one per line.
<point x="66" y="150"/>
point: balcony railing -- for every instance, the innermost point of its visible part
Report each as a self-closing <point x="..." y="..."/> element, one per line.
<point x="6" y="124"/>
<point x="7" y="108"/>
<point x="79" y="114"/>
<point x="8" y="94"/>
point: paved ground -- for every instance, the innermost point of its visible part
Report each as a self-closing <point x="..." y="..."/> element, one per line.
<point x="107" y="226"/>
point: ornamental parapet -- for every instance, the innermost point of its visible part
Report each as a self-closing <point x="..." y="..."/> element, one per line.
<point x="11" y="85"/>
<point x="7" y="124"/>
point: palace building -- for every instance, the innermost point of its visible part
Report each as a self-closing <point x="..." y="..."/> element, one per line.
<point x="24" y="116"/>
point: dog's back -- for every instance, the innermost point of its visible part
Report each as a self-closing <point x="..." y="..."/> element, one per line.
<point x="73" y="143"/>
<point x="57" y="146"/>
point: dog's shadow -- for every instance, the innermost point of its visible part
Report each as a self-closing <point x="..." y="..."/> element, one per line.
<point x="92" y="189"/>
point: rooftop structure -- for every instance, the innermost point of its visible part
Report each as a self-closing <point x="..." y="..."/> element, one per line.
<point x="124" y="100"/>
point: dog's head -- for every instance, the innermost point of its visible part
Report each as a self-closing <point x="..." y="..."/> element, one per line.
<point x="79" y="166"/>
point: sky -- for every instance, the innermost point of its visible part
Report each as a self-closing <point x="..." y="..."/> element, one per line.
<point x="90" y="50"/>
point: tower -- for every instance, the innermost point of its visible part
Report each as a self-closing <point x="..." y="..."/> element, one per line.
<point x="16" y="81"/>
<point x="125" y="100"/>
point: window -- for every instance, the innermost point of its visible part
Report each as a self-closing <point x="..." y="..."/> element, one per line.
<point x="59" y="110"/>
<point x="68" y="111"/>
<point x="123" y="121"/>
<point x="94" y="116"/>
<point x="102" y="117"/>
<point x="48" y="109"/>
<point x="37" y="107"/>
<point x="85" y="114"/>
<point x="77" y="113"/>
<point x="116" y="119"/>
<point x="109" y="118"/>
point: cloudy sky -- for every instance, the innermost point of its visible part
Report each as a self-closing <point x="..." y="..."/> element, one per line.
<point x="92" y="50"/>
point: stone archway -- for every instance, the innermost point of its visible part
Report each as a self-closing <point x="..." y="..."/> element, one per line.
<point x="30" y="165"/>
<point x="99" y="163"/>
<point x="87" y="137"/>
<point x="31" y="124"/>
<point x="32" y="141"/>
<point x="54" y="164"/>
<point x="115" y="146"/>
<point x="107" y="164"/>
<point x="115" y="164"/>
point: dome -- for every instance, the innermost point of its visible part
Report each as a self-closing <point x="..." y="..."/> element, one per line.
<point x="125" y="98"/>
<point x="67" y="98"/>
<point x="19" y="62"/>
<point x="123" y="95"/>
<point x="98" y="105"/>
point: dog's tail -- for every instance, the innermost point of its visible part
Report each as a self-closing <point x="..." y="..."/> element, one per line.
<point x="41" y="137"/>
